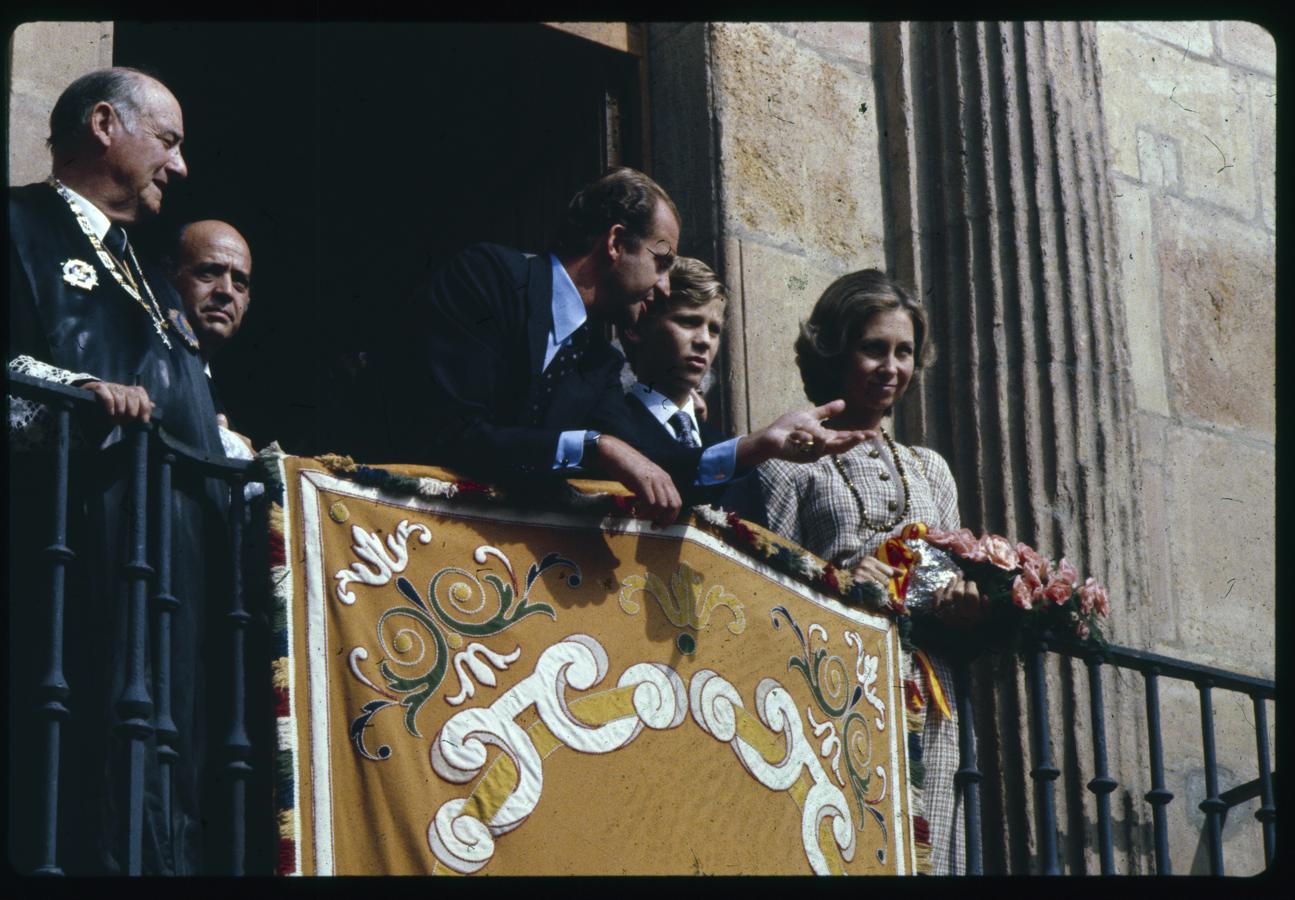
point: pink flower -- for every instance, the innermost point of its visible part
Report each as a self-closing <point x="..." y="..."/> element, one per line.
<point x="1022" y="593"/>
<point x="1081" y="629"/>
<point x="1030" y="577"/>
<point x="1030" y="560"/>
<point x="959" y="542"/>
<point x="999" y="551"/>
<point x="1066" y="572"/>
<point x="1057" y="590"/>
<point x="1093" y="596"/>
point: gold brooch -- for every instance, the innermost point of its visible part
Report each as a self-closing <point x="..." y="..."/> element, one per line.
<point x="79" y="273"/>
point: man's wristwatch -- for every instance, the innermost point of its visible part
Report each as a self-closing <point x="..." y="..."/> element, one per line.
<point x="590" y="452"/>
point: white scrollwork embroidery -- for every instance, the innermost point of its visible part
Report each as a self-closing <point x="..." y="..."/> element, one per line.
<point x="716" y="707"/>
<point x="865" y="669"/>
<point x="357" y="655"/>
<point x="831" y="743"/>
<point x="369" y="547"/>
<point x="478" y="669"/>
<point x="464" y="843"/>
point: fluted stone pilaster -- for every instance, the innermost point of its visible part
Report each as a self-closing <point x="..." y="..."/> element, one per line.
<point x="999" y="214"/>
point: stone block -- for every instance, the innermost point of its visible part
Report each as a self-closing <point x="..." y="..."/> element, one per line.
<point x="798" y="145"/>
<point x="1263" y="105"/>
<point x="1158" y="609"/>
<point x="778" y="291"/>
<point x="45" y="58"/>
<point x="849" y="40"/>
<point x="1140" y="291"/>
<point x="1194" y="37"/>
<point x="29" y="158"/>
<point x="1158" y="159"/>
<point x="1247" y="44"/>
<point x="1218" y="300"/>
<point x="1150" y="88"/>
<point x="1220" y="502"/>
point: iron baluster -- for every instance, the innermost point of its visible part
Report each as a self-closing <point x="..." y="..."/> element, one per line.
<point x="134" y="707"/>
<point x="968" y="776"/>
<point x="1158" y="796"/>
<point x="1102" y="784"/>
<point x="1212" y="806"/>
<point x="1267" y="812"/>
<point x="166" y="604"/>
<point x="1044" y="772"/>
<point x="53" y="687"/>
<point x="237" y="746"/>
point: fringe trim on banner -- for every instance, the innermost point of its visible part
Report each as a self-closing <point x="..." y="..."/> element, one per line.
<point x="270" y="462"/>
<point x="400" y="484"/>
<point x="916" y="710"/>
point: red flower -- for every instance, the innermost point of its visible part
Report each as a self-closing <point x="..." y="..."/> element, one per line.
<point x="1031" y="561"/>
<point x="960" y="542"/>
<point x="1058" y="590"/>
<point x="1092" y="596"/>
<point x="1067" y="573"/>
<point x="1022" y="593"/>
<point x="999" y="552"/>
<point x="1033" y="580"/>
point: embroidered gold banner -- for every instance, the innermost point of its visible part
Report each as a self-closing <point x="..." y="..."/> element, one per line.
<point x="468" y="687"/>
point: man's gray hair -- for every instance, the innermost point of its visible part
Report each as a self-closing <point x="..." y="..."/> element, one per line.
<point x="120" y="87"/>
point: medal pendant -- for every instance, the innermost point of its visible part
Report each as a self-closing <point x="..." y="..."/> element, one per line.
<point x="79" y="273"/>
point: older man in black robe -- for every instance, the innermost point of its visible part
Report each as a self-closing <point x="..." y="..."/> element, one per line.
<point x="85" y="310"/>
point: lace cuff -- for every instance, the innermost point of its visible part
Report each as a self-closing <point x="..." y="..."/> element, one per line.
<point x="32" y="424"/>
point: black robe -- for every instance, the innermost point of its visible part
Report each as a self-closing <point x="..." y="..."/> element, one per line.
<point x="103" y="331"/>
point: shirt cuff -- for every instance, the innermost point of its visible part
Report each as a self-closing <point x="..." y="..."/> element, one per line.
<point x="571" y="450"/>
<point x="718" y="463"/>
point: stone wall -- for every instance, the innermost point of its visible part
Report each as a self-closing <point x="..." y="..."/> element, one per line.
<point x="44" y="57"/>
<point x="1190" y="111"/>
<point x="787" y="154"/>
<point x="780" y="130"/>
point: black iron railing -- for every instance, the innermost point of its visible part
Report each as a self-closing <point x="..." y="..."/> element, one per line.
<point x="143" y="711"/>
<point x="1153" y="667"/>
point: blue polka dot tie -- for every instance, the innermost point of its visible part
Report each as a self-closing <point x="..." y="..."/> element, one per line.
<point x="683" y="429"/>
<point x="563" y="363"/>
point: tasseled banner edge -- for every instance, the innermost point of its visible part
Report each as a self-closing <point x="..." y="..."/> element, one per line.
<point x="394" y="483"/>
<point x="915" y="724"/>
<point x="285" y="751"/>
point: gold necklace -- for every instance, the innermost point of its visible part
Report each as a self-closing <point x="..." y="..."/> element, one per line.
<point x="115" y="269"/>
<point x="858" y="498"/>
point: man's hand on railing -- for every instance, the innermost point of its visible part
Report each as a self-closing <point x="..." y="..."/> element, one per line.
<point x="123" y="403"/>
<point x="655" y="494"/>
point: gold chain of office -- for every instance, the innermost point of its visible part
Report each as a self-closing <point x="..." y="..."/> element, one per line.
<point x="118" y="269"/>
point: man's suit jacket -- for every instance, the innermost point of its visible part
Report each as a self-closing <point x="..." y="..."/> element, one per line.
<point x="472" y="374"/>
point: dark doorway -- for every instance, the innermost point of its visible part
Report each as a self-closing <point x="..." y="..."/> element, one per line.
<point x="354" y="157"/>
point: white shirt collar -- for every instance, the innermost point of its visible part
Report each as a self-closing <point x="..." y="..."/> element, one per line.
<point x="98" y="221"/>
<point x="662" y="407"/>
<point x="568" y="309"/>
